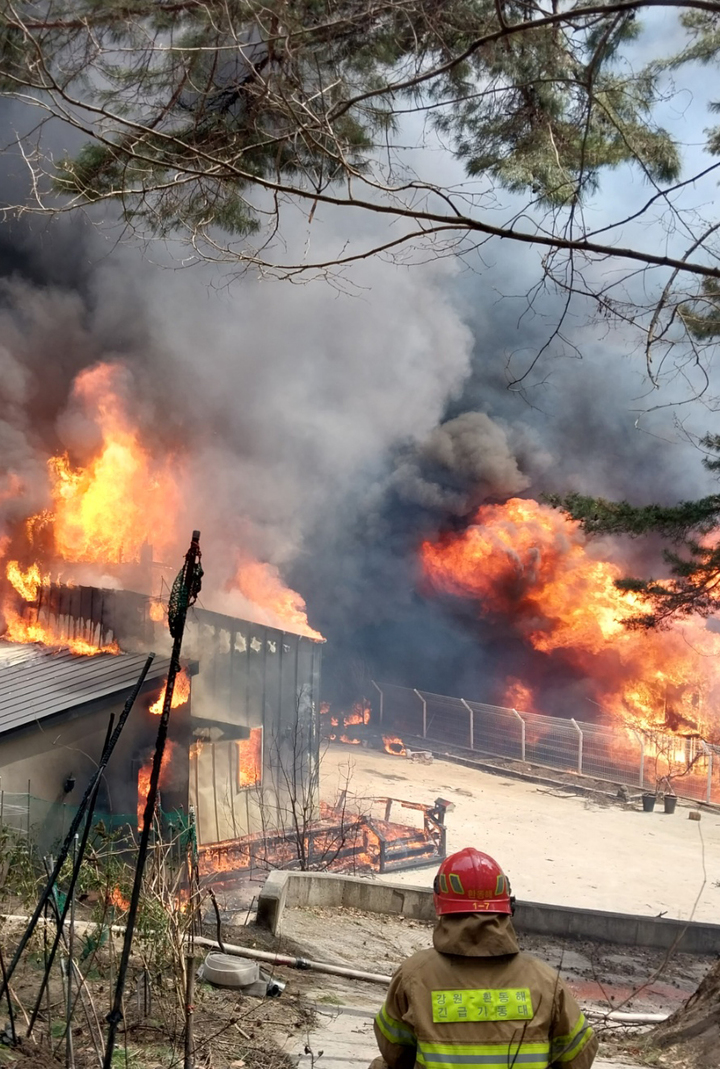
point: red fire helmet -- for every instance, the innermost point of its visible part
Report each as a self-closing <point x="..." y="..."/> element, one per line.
<point x="471" y="882"/>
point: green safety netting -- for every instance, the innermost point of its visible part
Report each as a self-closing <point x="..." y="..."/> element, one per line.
<point x="45" y="824"/>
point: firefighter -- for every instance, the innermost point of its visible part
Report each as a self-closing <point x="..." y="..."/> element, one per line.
<point x="474" y="1001"/>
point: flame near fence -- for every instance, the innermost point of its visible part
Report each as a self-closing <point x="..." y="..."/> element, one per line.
<point x="648" y="760"/>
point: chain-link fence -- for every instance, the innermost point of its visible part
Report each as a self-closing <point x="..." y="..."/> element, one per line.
<point x="650" y="760"/>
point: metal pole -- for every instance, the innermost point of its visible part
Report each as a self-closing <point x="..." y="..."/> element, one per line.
<point x="77" y="863"/>
<point x="184" y="594"/>
<point x="710" y="772"/>
<point x="472" y="725"/>
<point x="69" y="1053"/>
<point x="48" y="1001"/>
<point x="424" y="708"/>
<point x="77" y="820"/>
<point x="641" y="744"/>
<point x="189" y="1011"/>
<point x="382" y="701"/>
<point x="11" y="1015"/>
<point x="522" y="734"/>
<point x="580" y="745"/>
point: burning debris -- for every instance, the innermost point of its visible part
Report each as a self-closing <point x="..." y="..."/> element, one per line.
<point x="358" y="730"/>
<point x="356" y="721"/>
<point x="393" y="745"/>
<point x="117" y="899"/>
<point x="340" y="840"/>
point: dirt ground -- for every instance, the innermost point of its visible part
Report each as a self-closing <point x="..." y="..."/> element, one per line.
<point x="556" y="847"/>
<point x="232" y="1031"/>
<point x="603" y="977"/>
<point x="320" y="1012"/>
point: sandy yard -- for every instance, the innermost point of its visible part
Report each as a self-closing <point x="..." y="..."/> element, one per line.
<point x="557" y="848"/>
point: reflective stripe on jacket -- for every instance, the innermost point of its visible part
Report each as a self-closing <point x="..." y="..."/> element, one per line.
<point x="476" y="1002"/>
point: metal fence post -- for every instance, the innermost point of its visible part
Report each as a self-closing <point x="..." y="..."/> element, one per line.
<point x="641" y="743"/>
<point x="710" y="772"/>
<point x="522" y="734"/>
<point x="580" y="745"/>
<point x="424" y="708"/>
<point x="382" y="700"/>
<point x="472" y="726"/>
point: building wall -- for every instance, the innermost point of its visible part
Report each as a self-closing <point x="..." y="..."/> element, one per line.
<point x="36" y="761"/>
<point x="250" y="676"/>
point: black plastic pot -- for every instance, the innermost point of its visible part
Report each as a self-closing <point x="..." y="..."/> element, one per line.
<point x="648" y="801"/>
<point x="670" y="803"/>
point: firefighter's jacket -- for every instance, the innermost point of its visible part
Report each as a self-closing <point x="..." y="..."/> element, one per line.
<point x="476" y="1002"/>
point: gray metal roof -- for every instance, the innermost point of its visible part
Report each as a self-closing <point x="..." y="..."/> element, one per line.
<point x="37" y="682"/>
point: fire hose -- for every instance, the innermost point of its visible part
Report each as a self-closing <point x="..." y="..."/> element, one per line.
<point x="241" y="952"/>
<point x="614" y="1016"/>
<point x="291" y="962"/>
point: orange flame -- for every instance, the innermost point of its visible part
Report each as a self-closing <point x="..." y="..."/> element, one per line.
<point x="144" y="780"/>
<point x="103" y="513"/>
<point x="117" y="898"/>
<point x="250" y="759"/>
<point x="21" y="630"/>
<point x="518" y="695"/>
<point x="360" y="715"/>
<point x="28" y="582"/>
<point x="108" y="510"/>
<point x="393" y="745"/>
<point x="181" y="693"/>
<point x="157" y="612"/>
<point x="534" y="567"/>
<point x="278" y="606"/>
<point x="349" y="741"/>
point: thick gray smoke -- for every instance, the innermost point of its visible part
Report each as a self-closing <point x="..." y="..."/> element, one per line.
<point x="275" y="400"/>
<point x="462" y="462"/>
<point x="329" y="432"/>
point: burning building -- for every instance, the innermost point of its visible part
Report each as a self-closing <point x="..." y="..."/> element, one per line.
<point x="53" y="721"/>
<point x="247" y="695"/>
<point x="85" y="581"/>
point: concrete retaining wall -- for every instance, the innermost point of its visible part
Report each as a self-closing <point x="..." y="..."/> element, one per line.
<point x="284" y="890"/>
